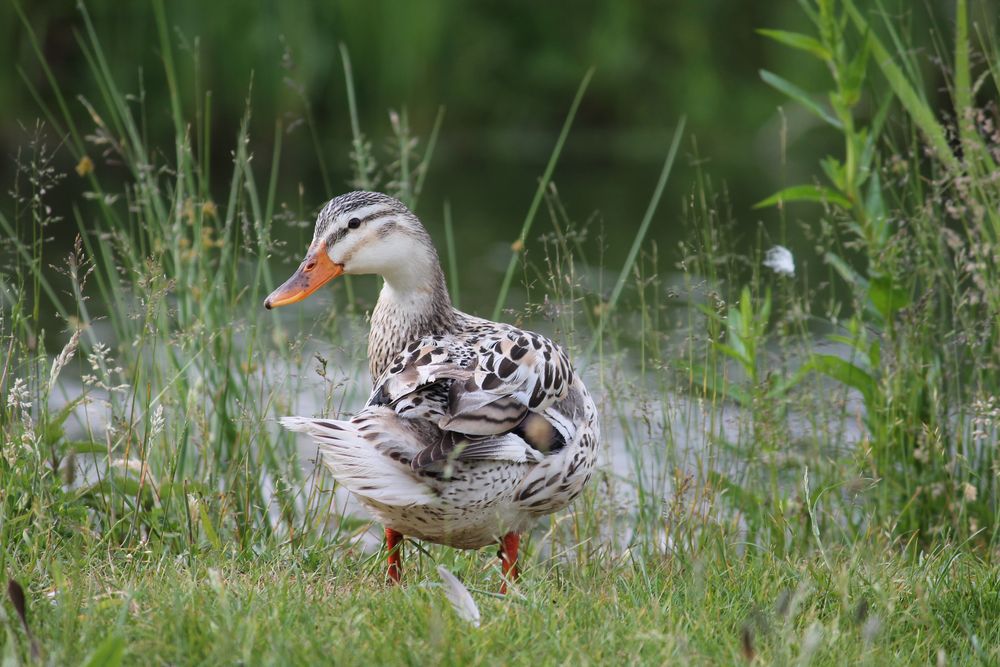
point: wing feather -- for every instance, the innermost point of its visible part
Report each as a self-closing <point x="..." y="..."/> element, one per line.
<point x="479" y="388"/>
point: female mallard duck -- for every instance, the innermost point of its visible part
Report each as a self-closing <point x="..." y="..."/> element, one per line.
<point x="474" y="428"/>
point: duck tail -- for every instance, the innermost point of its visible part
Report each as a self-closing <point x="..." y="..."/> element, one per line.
<point x="361" y="462"/>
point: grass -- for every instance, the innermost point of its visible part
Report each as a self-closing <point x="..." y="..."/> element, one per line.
<point x="714" y="607"/>
<point x="797" y="473"/>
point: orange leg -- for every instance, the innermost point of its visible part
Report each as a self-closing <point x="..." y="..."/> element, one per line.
<point x="508" y="559"/>
<point x="394" y="545"/>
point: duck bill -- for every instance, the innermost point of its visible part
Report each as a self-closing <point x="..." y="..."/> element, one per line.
<point x="316" y="270"/>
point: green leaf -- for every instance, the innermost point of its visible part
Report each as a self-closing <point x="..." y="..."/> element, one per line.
<point x="740" y="497"/>
<point x="963" y="70"/>
<point x="844" y="372"/>
<point x="708" y="312"/>
<point x="875" y="209"/>
<point x="963" y="77"/>
<point x="114" y="482"/>
<point x="351" y="524"/>
<point x="813" y="193"/>
<point x="921" y="113"/>
<point x="874" y="132"/>
<point x="711" y="385"/>
<point x="54" y="426"/>
<point x="875" y="354"/>
<point x="782" y="386"/>
<point x="206" y="524"/>
<point x="746" y="312"/>
<point x="977" y="155"/>
<point x="856" y="342"/>
<point x="797" y="40"/>
<point x="854" y="77"/>
<point x="734" y="334"/>
<point x="169" y="489"/>
<point x="733" y="353"/>
<point x="764" y="314"/>
<point x="850" y="276"/>
<point x="87" y="447"/>
<point x="800" y="96"/>
<point x="109" y="653"/>
<point x="887" y="298"/>
<point x="834" y="170"/>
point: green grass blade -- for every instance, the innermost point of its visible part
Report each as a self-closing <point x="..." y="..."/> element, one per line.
<point x="449" y="240"/>
<point x="797" y="41"/>
<point x="272" y="185"/>
<point x="800" y="96"/>
<point x="108" y="653"/>
<point x="167" y="53"/>
<point x="977" y="155"/>
<point x="540" y="193"/>
<point x="50" y="77"/>
<point x="963" y="73"/>
<point x="362" y="161"/>
<point x="640" y="236"/>
<point x="915" y="106"/>
<point x="25" y="253"/>
<point x="425" y="163"/>
<point x="810" y="193"/>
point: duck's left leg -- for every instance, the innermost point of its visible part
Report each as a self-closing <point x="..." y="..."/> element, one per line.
<point x="508" y="559"/>
<point x="394" y="546"/>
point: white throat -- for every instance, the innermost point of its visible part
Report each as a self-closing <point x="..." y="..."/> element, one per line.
<point x="407" y="302"/>
<point x="413" y="303"/>
<point x="416" y="275"/>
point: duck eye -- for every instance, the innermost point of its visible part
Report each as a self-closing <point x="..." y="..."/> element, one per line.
<point x="353" y="223"/>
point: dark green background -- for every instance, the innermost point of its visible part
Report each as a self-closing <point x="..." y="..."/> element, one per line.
<point x="506" y="73"/>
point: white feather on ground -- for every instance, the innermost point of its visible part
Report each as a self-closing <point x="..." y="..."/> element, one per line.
<point x="459" y="597"/>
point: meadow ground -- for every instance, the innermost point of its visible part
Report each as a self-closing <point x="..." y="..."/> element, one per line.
<point x="320" y="606"/>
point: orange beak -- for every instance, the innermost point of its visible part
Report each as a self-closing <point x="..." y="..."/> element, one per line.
<point x="314" y="272"/>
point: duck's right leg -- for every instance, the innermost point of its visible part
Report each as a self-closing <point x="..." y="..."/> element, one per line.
<point x="509" y="545"/>
<point x="394" y="546"/>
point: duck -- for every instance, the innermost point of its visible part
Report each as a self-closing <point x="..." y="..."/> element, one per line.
<point x="473" y="429"/>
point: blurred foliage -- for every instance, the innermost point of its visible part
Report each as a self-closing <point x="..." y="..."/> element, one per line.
<point x="506" y="72"/>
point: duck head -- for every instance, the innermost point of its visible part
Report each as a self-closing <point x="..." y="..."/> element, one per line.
<point x="363" y="233"/>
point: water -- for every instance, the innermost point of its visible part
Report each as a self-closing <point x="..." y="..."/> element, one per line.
<point x="647" y="437"/>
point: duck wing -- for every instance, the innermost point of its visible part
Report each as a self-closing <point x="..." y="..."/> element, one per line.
<point x="493" y="393"/>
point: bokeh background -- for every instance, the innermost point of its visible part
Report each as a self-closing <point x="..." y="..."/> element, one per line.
<point x="505" y="72"/>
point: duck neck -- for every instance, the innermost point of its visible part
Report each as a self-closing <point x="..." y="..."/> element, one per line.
<point x="413" y="303"/>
